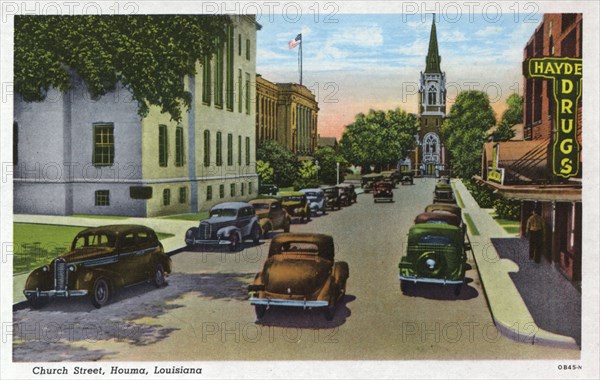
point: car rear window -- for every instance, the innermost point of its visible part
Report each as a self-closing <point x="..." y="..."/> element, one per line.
<point x="435" y="240"/>
<point x="260" y="206"/>
<point x="300" y="247"/>
<point x="223" y="212"/>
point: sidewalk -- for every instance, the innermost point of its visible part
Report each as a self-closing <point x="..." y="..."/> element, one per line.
<point x="509" y="311"/>
<point x="170" y="226"/>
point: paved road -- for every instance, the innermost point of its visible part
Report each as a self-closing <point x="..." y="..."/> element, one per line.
<point x="204" y="315"/>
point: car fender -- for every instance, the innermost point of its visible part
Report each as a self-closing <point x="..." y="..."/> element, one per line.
<point x="227" y="231"/>
<point x="40" y="279"/>
<point x="328" y="290"/>
<point x="86" y="277"/>
<point x="264" y="224"/>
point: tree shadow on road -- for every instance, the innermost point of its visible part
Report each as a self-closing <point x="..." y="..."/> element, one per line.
<point x="442" y="292"/>
<point x="297" y="317"/>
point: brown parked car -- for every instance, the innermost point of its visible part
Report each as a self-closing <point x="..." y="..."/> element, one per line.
<point x="383" y="190"/>
<point x="101" y="260"/>
<point x="300" y="272"/>
<point x="271" y="215"/>
<point x="445" y="207"/>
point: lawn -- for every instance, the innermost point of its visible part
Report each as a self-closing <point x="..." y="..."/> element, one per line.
<point x="37" y="244"/>
<point x="510" y="226"/>
<point x="116" y="217"/>
<point x="471" y="224"/>
<point x="458" y="198"/>
<point x="196" y="217"/>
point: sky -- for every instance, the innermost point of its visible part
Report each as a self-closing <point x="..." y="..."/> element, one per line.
<point x="357" y="62"/>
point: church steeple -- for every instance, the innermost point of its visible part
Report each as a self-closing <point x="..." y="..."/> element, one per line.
<point x="433" y="57"/>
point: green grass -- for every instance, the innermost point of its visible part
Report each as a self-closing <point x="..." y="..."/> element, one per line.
<point x="512" y="229"/>
<point x="37" y="244"/>
<point x="195" y="217"/>
<point x="471" y="224"/>
<point x="116" y="217"/>
<point x="510" y="226"/>
<point x="459" y="200"/>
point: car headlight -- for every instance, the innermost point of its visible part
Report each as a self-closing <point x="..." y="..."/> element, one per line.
<point x="45" y="268"/>
<point x="72" y="268"/>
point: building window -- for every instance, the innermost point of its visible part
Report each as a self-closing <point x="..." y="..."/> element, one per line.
<point x="208" y="193"/>
<point x="207" y="148"/>
<point x="250" y="187"/>
<point x="163" y="149"/>
<point x="230" y="68"/>
<point x="247" y="94"/>
<point x="240" y="90"/>
<point x="239" y="150"/>
<point x="206" y="80"/>
<point x="232" y="189"/>
<point x="183" y="194"/>
<point x="229" y="149"/>
<point x="248" y="49"/>
<point x="240" y="45"/>
<point x="104" y="145"/>
<point x="219" y="159"/>
<point x="222" y="191"/>
<point x="247" y="150"/>
<point x="102" y="198"/>
<point x="242" y="189"/>
<point x="219" y="75"/>
<point x="432" y="100"/>
<point x="166" y="197"/>
<point x="179" y="146"/>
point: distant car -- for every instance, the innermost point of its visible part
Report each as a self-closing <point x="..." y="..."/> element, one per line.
<point x="316" y="200"/>
<point x="390" y="176"/>
<point x="347" y="194"/>
<point x="332" y="197"/>
<point x="101" y="260"/>
<point x="271" y="215"/>
<point x="383" y="190"/>
<point x="268" y="189"/>
<point x="443" y="193"/>
<point x="444" y="180"/>
<point x="407" y="178"/>
<point x="300" y="271"/>
<point x="229" y="223"/>
<point x="296" y="204"/>
<point x="367" y="181"/>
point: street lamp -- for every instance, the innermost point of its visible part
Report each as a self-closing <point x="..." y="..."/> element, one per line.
<point x="317" y="167"/>
<point x="338" y="173"/>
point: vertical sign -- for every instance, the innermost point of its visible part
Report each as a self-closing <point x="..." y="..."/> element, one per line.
<point x="565" y="74"/>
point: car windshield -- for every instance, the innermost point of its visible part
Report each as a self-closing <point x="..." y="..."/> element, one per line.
<point x="94" y="240"/>
<point x="311" y="194"/>
<point x="435" y="240"/>
<point x="260" y="206"/>
<point x="223" y="212"/>
<point x="293" y="198"/>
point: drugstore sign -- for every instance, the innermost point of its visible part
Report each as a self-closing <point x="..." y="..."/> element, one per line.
<point x="565" y="74"/>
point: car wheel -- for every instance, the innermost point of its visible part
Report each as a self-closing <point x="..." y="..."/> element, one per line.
<point x="38" y="302"/>
<point x="457" y="289"/>
<point x="308" y="217"/>
<point x="260" y="311"/>
<point x="159" y="276"/>
<point x="234" y="243"/>
<point x="330" y="311"/>
<point x="286" y="227"/>
<point x="404" y="286"/>
<point x="101" y="293"/>
<point x="265" y="232"/>
<point x="255" y="234"/>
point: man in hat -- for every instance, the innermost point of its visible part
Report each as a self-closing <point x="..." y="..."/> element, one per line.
<point x="535" y="233"/>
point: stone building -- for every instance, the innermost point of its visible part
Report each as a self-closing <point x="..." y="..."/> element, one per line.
<point x="74" y="155"/>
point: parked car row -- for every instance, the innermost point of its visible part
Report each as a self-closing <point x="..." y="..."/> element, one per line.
<point x="436" y="250"/>
<point x="443" y="192"/>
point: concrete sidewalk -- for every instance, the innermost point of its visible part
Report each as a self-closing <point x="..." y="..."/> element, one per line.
<point x="509" y="311"/>
<point x="170" y="226"/>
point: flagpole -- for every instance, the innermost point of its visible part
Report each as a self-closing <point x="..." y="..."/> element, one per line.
<point x="300" y="54"/>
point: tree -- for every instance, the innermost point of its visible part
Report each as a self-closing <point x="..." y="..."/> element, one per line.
<point x="148" y="54"/>
<point x="379" y="138"/>
<point x="283" y="162"/>
<point x="464" y="131"/>
<point x="264" y="171"/>
<point x="511" y="116"/>
<point x="328" y="158"/>
<point x="307" y="170"/>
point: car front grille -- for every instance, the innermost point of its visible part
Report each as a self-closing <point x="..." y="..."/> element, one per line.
<point x="60" y="274"/>
<point x="205" y="231"/>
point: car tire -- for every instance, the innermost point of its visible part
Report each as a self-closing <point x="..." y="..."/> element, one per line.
<point x="100" y="293"/>
<point x="308" y="217"/>
<point x="159" y="278"/>
<point x="260" y="311"/>
<point x="286" y="227"/>
<point x="234" y="243"/>
<point x="265" y="232"/>
<point x="330" y="311"/>
<point x="38" y="302"/>
<point x="255" y="234"/>
<point x="405" y="286"/>
<point x="457" y="289"/>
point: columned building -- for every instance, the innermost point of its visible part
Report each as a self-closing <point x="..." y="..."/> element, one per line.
<point x="288" y="114"/>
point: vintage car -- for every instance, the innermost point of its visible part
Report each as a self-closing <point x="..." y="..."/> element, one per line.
<point x="391" y="177"/>
<point x="443" y="194"/>
<point x="407" y="178"/>
<point x="367" y="181"/>
<point x="444" y="180"/>
<point x="300" y="271"/>
<point x="316" y="200"/>
<point x="101" y="260"/>
<point x="445" y="207"/>
<point x="435" y="253"/>
<point x="332" y="197"/>
<point x="268" y="189"/>
<point x="229" y="223"/>
<point x="383" y="190"/>
<point x="347" y="194"/>
<point x="271" y="215"/>
<point x="296" y="204"/>
<point x="439" y="217"/>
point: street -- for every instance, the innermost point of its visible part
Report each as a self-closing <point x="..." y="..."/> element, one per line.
<point x="204" y="314"/>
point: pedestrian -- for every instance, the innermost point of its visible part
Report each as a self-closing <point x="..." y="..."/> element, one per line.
<point x="535" y="232"/>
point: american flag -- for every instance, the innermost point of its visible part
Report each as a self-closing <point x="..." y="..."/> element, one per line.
<point x="295" y="42"/>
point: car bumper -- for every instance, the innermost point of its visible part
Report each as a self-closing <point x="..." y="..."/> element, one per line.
<point x="54" y="293"/>
<point x="281" y="302"/>
<point x="430" y="280"/>
<point x="207" y="242"/>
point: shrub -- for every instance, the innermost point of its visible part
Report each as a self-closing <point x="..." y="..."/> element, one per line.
<point x="507" y="208"/>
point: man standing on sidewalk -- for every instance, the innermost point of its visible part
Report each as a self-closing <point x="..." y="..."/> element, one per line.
<point x="535" y="233"/>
